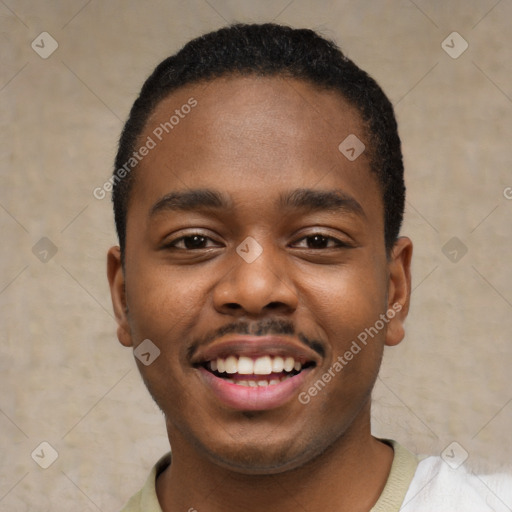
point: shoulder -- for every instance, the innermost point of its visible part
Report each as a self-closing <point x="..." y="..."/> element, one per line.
<point x="146" y="499"/>
<point x="437" y="486"/>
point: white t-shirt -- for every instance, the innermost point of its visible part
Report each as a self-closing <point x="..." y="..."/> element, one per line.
<point x="436" y="487"/>
<point x="413" y="485"/>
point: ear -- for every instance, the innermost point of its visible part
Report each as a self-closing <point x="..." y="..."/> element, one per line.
<point x="399" y="290"/>
<point x="116" y="281"/>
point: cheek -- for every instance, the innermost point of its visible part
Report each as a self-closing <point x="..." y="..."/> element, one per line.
<point x="346" y="305"/>
<point x="345" y="301"/>
<point x="164" y="304"/>
<point x="164" y="308"/>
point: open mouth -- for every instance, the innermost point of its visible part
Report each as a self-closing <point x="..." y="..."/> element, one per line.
<point x="259" y="371"/>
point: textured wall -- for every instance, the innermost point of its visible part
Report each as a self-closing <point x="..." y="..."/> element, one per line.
<point x="65" y="378"/>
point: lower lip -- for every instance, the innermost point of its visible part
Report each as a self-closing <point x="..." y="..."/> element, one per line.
<point x="258" y="398"/>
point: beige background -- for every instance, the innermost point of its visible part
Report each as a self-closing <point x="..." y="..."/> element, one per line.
<point x="65" y="378"/>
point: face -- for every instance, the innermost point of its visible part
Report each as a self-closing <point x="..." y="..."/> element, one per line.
<point x="255" y="262"/>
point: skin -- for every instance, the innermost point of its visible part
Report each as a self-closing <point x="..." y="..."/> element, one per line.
<point x="254" y="139"/>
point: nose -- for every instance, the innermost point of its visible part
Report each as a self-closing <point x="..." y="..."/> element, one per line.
<point x="253" y="288"/>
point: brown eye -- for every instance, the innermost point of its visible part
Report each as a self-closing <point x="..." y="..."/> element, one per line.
<point x="317" y="241"/>
<point x="191" y="242"/>
<point x="194" y="241"/>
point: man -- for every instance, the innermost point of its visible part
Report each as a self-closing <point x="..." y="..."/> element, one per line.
<point x="258" y="198"/>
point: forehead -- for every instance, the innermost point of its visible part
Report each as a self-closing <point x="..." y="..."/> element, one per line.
<point x="280" y="113"/>
<point x="254" y="135"/>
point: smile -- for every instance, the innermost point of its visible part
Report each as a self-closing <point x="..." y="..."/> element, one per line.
<point x="253" y="372"/>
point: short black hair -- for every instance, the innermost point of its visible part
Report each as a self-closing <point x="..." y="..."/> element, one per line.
<point x="271" y="50"/>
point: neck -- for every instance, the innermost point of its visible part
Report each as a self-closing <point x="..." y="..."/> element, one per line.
<point x="350" y="475"/>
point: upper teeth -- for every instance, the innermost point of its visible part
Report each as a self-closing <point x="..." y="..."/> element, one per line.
<point x="264" y="365"/>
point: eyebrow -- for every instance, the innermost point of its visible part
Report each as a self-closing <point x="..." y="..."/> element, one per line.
<point x="321" y="200"/>
<point x="189" y="200"/>
<point x="306" y="199"/>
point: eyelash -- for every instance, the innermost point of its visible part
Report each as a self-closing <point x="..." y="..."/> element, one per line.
<point x="172" y="244"/>
<point x="338" y="243"/>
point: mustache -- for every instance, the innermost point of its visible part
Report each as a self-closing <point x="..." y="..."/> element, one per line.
<point x="259" y="328"/>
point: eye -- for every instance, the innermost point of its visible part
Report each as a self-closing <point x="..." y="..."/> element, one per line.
<point x="319" y="241"/>
<point x="191" y="242"/>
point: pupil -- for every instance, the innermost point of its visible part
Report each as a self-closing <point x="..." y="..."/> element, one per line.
<point x="194" y="242"/>
<point x="317" y="241"/>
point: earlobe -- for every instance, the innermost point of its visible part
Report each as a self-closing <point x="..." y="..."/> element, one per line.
<point x="399" y="290"/>
<point x="116" y="281"/>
